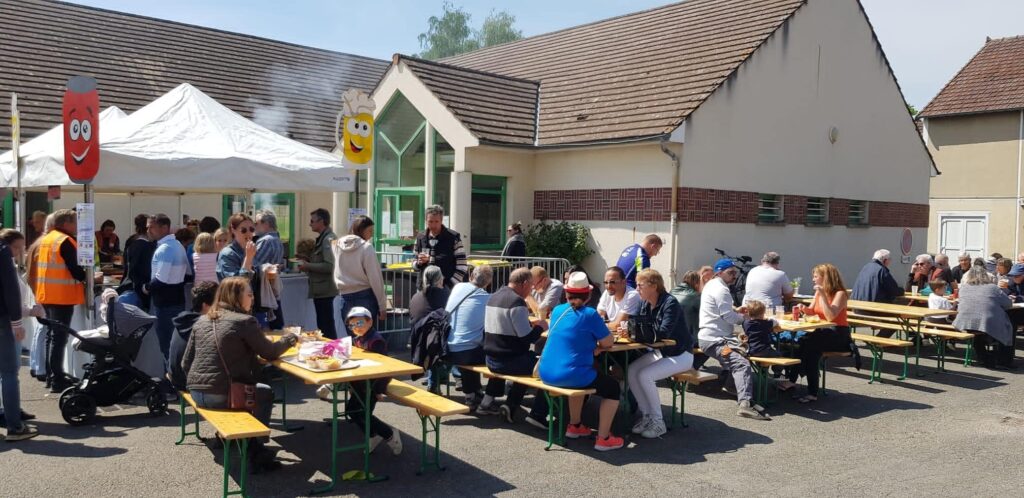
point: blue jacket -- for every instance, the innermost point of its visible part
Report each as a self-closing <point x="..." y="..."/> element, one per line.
<point x="876" y="284"/>
<point x="668" y="318"/>
<point x="633" y="259"/>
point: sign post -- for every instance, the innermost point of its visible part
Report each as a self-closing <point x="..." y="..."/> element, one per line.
<point x="19" y="193"/>
<point x="81" y="111"/>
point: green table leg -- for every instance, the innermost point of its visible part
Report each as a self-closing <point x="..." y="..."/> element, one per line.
<point x="906" y="358"/>
<point x="284" y="409"/>
<point x="969" y="354"/>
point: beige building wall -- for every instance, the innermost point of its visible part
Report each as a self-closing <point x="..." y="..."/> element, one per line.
<point x="517" y="166"/>
<point x="767" y="128"/>
<point x="979" y="157"/>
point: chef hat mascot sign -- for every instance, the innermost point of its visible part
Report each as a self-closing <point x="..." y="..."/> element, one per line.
<point x="81" y="129"/>
<point x="354" y="129"/>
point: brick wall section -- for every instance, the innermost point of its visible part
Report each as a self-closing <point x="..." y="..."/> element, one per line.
<point x="703" y="205"/>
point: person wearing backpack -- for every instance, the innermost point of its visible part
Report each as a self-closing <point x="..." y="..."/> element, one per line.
<point x="467" y="307"/>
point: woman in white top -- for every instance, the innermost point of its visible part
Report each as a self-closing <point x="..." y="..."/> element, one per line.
<point x="204" y="259"/>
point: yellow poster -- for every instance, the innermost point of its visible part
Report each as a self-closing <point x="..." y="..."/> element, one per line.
<point x="354" y="129"/>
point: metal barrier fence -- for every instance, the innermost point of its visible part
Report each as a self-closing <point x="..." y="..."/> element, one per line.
<point x="401" y="282"/>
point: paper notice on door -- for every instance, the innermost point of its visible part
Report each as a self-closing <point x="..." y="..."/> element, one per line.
<point x="405" y="224"/>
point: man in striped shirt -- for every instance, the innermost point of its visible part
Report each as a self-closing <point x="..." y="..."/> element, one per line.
<point x="166" y="287"/>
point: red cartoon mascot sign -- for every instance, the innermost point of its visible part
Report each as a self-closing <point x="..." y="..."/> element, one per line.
<point x="81" y="129"/>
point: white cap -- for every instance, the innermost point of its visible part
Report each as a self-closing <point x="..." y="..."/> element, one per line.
<point x="359" y="311"/>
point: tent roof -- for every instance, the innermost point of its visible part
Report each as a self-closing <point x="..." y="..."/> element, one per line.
<point x="185" y="140"/>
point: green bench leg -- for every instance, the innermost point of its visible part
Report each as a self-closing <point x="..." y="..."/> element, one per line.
<point x="940" y="362"/>
<point x="441" y="373"/>
<point x="876" y="363"/>
<point x="906" y="360"/>
<point x="969" y="354"/>
<point x="678" y="417"/>
<point x="183" y="419"/>
<point x="556" y="430"/>
<point x="243" y="448"/>
<point x="430" y="425"/>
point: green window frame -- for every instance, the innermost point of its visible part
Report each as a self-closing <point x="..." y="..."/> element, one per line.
<point x="502" y="192"/>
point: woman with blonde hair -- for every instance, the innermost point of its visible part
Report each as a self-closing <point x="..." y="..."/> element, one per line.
<point x="221" y="239"/>
<point x="204" y="259"/>
<point x="224" y="348"/>
<point x="829" y="304"/>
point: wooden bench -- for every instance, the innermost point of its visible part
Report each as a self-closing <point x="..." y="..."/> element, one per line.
<point x="679" y="384"/>
<point x="823" y="364"/>
<point x="233" y="426"/>
<point x="940" y="333"/>
<point x="762" y="366"/>
<point x="430" y="408"/>
<point x="877" y="346"/>
<point x="551" y="394"/>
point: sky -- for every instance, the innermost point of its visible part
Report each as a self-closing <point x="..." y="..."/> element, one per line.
<point x="926" y="41"/>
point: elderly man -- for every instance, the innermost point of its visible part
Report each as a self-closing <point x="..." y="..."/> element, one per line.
<point x="920" y="273"/>
<point x="546" y="294"/>
<point x="467" y="305"/>
<point x="508" y="335"/>
<point x="942" y="271"/>
<point x="875" y="283"/>
<point x="618" y="301"/>
<point x="638" y="257"/>
<point x="767" y="283"/>
<point x="964" y="264"/>
<point x="269" y="250"/>
<point x="441" y="246"/>
<point x="718" y="320"/>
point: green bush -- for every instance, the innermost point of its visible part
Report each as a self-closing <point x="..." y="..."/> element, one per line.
<point x="559" y="239"/>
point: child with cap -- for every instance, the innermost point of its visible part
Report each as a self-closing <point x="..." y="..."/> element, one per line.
<point x="360" y="321"/>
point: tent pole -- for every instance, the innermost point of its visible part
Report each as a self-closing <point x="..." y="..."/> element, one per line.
<point x="89" y="272"/>
<point x="180" y="218"/>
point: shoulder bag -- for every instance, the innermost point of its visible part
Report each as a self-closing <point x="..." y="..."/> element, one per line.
<point x="241" y="396"/>
<point x="642" y="329"/>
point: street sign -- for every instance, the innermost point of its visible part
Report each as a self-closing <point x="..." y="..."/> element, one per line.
<point x="81" y="129"/>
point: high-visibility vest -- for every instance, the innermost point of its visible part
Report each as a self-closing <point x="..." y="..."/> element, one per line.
<point x="54" y="283"/>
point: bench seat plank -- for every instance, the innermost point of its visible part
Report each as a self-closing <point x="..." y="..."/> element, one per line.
<point x="886" y="342"/>
<point x="695" y="377"/>
<point x="774" y="362"/>
<point x="529" y="381"/>
<point x="230" y="424"/>
<point x="424" y="401"/>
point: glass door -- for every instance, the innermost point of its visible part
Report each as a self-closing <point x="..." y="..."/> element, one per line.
<point x="399" y="215"/>
<point x="487" y="222"/>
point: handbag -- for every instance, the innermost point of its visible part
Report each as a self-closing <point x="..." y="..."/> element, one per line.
<point x="241" y="396"/>
<point x="642" y="329"/>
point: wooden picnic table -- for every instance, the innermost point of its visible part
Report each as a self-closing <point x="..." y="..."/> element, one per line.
<point x="908" y="318"/>
<point x="790" y="325"/>
<point x="373" y="366"/>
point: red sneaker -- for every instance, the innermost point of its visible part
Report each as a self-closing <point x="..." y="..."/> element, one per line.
<point x="577" y="431"/>
<point x="609" y="443"/>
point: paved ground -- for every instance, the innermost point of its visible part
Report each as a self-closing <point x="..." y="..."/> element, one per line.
<point x="953" y="434"/>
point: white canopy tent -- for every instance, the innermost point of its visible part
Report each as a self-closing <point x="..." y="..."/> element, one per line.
<point x="185" y="140"/>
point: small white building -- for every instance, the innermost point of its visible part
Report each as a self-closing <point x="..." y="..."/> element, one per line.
<point x="776" y="124"/>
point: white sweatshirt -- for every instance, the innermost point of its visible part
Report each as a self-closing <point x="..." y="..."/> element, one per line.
<point x="356" y="268"/>
<point x="717" y="317"/>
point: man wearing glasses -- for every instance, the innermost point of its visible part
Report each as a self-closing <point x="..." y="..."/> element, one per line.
<point x="618" y="301"/>
<point x="718" y="320"/>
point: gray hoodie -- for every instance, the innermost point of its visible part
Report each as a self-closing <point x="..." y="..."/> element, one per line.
<point x="356" y="268"/>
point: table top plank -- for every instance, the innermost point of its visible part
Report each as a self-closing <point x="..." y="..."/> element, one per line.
<point x="387" y="367"/>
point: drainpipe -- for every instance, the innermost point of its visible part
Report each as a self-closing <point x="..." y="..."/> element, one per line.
<point x="674" y="219"/>
<point x="1020" y="164"/>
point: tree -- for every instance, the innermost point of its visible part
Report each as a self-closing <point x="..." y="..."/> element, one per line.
<point x="450" y="34"/>
<point x="498" y="28"/>
<point x="912" y="109"/>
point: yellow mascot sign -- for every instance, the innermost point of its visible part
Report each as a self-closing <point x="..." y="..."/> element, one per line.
<point x="354" y="129"/>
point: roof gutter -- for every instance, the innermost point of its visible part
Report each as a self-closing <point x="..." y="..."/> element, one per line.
<point x="674" y="217"/>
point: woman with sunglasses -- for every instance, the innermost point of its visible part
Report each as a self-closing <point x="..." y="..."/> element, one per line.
<point x="237" y="258"/>
<point x="515" y="247"/>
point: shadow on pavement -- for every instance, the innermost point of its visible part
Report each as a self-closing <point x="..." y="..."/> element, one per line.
<point x="840" y="405"/>
<point x="45" y="445"/>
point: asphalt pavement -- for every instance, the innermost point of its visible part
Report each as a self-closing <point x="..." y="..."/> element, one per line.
<point x="959" y="433"/>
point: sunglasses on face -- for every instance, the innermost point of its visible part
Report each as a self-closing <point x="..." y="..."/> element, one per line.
<point x="357" y="322"/>
<point x="245" y="230"/>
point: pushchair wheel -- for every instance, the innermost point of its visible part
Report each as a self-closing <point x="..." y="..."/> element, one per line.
<point x="65" y="395"/>
<point x="156" y="402"/>
<point x="79" y="409"/>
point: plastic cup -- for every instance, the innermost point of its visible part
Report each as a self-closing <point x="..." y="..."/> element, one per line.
<point x="913" y="289"/>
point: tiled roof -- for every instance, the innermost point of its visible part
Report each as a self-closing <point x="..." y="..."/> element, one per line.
<point x="634" y="76"/>
<point x="993" y="80"/>
<point x="292" y="89"/>
<point x="496" y="108"/>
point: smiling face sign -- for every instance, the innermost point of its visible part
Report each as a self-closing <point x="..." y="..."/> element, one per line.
<point x="81" y="129"/>
<point x="354" y="135"/>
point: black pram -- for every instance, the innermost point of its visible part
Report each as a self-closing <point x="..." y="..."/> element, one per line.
<point x="110" y="378"/>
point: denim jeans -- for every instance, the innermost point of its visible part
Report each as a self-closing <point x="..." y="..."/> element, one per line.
<point x="364" y="298"/>
<point x="57" y="340"/>
<point x="324" y="307"/>
<point x="164" y="325"/>
<point x="264" y="401"/>
<point x="516" y="365"/>
<point x="10" y="359"/>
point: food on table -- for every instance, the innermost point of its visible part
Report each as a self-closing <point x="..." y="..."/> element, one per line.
<point x="313" y="360"/>
<point x="328" y="364"/>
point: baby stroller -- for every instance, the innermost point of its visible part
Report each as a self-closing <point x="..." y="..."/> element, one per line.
<point x="110" y="378"/>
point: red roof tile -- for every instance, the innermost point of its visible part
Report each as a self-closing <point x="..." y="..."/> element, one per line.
<point x="993" y="80"/>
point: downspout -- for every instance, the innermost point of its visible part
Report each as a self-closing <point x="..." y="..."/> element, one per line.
<point x="674" y="217"/>
<point x="1020" y="164"/>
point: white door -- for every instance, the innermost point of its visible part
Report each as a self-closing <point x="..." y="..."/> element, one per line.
<point x="961" y="233"/>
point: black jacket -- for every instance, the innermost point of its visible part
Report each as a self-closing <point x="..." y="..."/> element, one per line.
<point x="423" y="303"/>
<point x="876" y="284"/>
<point x="10" y="304"/>
<point x="515" y="246"/>
<point x="668" y="318"/>
<point x="448" y="252"/>
<point x="182" y="331"/>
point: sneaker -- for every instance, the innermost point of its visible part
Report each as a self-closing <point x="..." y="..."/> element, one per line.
<point x="506" y="413"/>
<point x="748" y="411"/>
<point x="395" y="443"/>
<point x="26" y="432"/>
<point x="655" y="429"/>
<point x="577" y="431"/>
<point x="641" y="425"/>
<point x="488" y="409"/>
<point x="375" y="442"/>
<point x="324" y="392"/>
<point x="536" y="422"/>
<point x="609" y="443"/>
